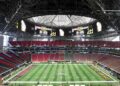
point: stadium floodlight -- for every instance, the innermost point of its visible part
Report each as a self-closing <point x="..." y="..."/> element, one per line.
<point x="23" y="26"/>
<point x="99" y="26"/>
<point x="61" y="32"/>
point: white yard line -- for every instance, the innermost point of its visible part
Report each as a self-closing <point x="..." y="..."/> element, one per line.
<point x="62" y="64"/>
<point x="82" y="64"/>
<point x="61" y="82"/>
<point x="16" y="74"/>
<point x="105" y="73"/>
<point x="53" y="82"/>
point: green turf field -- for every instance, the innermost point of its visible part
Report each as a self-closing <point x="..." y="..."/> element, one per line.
<point x="65" y="73"/>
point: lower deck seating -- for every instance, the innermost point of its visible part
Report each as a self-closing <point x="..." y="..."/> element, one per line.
<point x="25" y="56"/>
<point x="40" y="57"/>
<point x="110" y="61"/>
<point x="56" y="57"/>
<point x="47" y="57"/>
<point x="2" y="69"/>
<point x="9" y="61"/>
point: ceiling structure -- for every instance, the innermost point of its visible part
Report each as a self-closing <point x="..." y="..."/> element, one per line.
<point x="61" y="21"/>
<point x="105" y="11"/>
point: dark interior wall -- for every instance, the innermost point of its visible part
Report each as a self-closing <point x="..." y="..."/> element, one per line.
<point x="30" y="28"/>
<point x="1" y="42"/>
<point x="67" y="32"/>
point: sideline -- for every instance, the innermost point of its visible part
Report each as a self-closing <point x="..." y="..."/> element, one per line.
<point x="16" y="74"/>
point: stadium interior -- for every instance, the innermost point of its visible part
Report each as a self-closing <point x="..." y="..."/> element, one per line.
<point x="59" y="42"/>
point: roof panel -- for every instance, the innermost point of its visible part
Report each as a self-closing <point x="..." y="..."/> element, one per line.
<point x="61" y="20"/>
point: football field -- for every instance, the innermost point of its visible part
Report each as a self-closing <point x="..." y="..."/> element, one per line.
<point x="65" y="74"/>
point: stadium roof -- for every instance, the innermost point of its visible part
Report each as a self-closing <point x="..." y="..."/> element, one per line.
<point x="61" y="20"/>
<point x="105" y="11"/>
